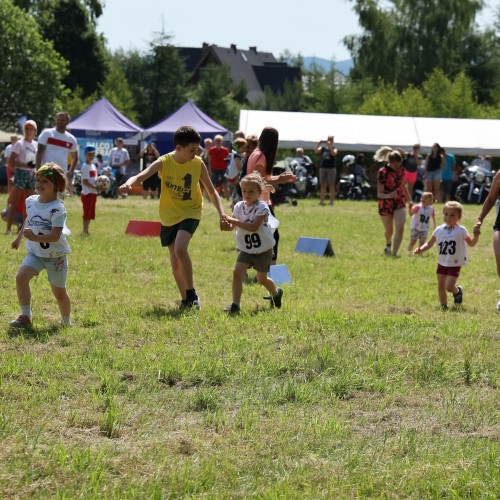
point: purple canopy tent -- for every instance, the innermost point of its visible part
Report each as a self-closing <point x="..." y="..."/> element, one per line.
<point x="102" y="119"/>
<point x="99" y="124"/>
<point x="189" y="114"/>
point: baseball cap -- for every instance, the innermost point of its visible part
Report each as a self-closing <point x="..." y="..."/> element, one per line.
<point x="89" y="148"/>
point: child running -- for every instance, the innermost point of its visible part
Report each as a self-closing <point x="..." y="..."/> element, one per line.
<point x="46" y="244"/>
<point x="452" y="240"/>
<point x="421" y="215"/>
<point x="181" y="172"/>
<point x="254" y="240"/>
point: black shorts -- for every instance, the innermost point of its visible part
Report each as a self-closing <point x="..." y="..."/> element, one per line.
<point x="169" y="233"/>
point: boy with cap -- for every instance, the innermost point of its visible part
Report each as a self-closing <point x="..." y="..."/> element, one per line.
<point x="89" y="191"/>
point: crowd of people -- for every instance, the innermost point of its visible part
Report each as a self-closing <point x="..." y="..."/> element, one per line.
<point x="242" y="174"/>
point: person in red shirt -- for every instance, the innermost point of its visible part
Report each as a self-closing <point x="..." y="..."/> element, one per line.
<point x="217" y="163"/>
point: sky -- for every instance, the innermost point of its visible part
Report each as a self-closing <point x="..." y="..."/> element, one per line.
<point x="307" y="27"/>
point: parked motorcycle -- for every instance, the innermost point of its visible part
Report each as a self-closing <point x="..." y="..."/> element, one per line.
<point x="306" y="183"/>
<point x="475" y="183"/>
<point x="353" y="186"/>
<point x="284" y="193"/>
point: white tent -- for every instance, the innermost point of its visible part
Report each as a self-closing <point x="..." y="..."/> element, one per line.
<point x="367" y="133"/>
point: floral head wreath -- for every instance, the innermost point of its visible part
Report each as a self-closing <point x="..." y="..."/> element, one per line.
<point x="47" y="170"/>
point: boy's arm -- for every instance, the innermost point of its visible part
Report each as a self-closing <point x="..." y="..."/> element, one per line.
<point x="54" y="235"/>
<point x="140" y="177"/>
<point x="434" y="220"/>
<point x="425" y="246"/>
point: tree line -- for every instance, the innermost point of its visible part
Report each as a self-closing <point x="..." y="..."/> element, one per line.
<point x="413" y="58"/>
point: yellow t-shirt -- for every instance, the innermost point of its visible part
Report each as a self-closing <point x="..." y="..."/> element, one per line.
<point x="180" y="197"/>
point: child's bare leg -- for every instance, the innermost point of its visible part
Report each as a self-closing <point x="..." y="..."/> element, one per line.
<point x="412" y="244"/>
<point x="443" y="297"/>
<point x="421" y="241"/>
<point x="451" y="284"/>
<point x="24" y="275"/>
<point x="267" y="282"/>
<point x="239" y="273"/>
<point x="399" y="222"/>
<point x="388" y="222"/>
<point x="62" y="301"/>
<point x="182" y="268"/>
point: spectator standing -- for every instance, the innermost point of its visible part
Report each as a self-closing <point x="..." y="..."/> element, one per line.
<point x="446" y="186"/>
<point x="410" y="164"/>
<point x="6" y="156"/>
<point x="88" y="195"/>
<point x="22" y="164"/>
<point x="119" y="160"/>
<point x="327" y="170"/>
<point x="434" y="162"/>
<point x="217" y="156"/>
<point x="56" y="144"/>
<point x="151" y="185"/>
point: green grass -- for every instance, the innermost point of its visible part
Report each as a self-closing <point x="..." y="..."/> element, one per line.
<point x="358" y="387"/>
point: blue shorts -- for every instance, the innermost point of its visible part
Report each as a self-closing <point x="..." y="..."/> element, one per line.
<point x="57" y="269"/>
<point x="433" y="176"/>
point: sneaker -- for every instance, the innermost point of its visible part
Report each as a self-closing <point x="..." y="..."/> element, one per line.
<point x="232" y="309"/>
<point x="21" y="322"/>
<point x="276" y="300"/>
<point x="387" y="250"/>
<point x="190" y="303"/>
<point x="458" y="297"/>
<point x="444" y="307"/>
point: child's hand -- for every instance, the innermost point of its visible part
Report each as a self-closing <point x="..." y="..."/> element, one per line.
<point x="15" y="244"/>
<point x="477" y="230"/>
<point x="29" y="234"/>
<point x="417" y="251"/>
<point x="124" y="189"/>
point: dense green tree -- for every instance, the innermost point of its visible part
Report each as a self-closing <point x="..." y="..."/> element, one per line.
<point x="212" y="97"/>
<point x="75" y="38"/>
<point x="31" y="72"/>
<point x="403" y="43"/>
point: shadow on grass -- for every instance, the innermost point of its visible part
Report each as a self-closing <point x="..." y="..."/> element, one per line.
<point x="32" y="333"/>
<point x="162" y="312"/>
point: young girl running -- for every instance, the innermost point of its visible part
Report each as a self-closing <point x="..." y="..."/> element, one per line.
<point x="46" y="244"/>
<point x="254" y="240"/>
<point x="452" y="240"/>
<point x="421" y="215"/>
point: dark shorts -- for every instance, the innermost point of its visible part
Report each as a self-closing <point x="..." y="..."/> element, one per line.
<point x="218" y="176"/>
<point x="169" y="233"/>
<point x="261" y="262"/>
<point x="88" y="202"/>
<point x="445" y="187"/>
<point x="448" y="271"/>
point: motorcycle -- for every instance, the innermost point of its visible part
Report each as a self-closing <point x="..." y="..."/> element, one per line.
<point x="353" y="186"/>
<point x="475" y="183"/>
<point x="306" y="184"/>
<point x="284" y="193"/>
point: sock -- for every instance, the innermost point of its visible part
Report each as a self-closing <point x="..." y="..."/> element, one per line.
<point x="65" y="320"/>
<point x="26" y="310"/>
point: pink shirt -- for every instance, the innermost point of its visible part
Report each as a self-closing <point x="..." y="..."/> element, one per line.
<point x="257" y="158"/>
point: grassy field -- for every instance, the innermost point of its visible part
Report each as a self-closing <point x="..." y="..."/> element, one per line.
<point x="358" y="387"/>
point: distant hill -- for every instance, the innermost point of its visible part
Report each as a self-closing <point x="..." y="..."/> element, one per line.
<point x="343" y="67"/>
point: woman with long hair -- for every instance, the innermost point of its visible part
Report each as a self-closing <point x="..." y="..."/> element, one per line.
<point x="262" y="160"/>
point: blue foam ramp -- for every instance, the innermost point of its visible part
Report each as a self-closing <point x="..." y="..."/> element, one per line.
<point x="279" y="274"/>
<point x="319" y="246"/>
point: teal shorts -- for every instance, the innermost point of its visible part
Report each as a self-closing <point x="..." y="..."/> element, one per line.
<point x="24" y="179"/>
<point x="57" y="269"/>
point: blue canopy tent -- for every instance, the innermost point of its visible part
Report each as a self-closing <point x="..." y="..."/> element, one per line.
<point x="162" y="133"/>
<point x="99" y="124"/>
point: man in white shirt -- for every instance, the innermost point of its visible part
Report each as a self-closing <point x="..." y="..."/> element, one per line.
<point x="119" y="160"/>
<point x="57" y="144"/>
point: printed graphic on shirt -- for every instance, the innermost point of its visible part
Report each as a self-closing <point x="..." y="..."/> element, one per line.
<point x="180" y="191"/>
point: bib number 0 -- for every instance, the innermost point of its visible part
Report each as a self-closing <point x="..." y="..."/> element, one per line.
<point x="252" y="241"/>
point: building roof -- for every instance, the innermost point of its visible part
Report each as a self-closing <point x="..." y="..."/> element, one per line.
<point x="256" y="69"/>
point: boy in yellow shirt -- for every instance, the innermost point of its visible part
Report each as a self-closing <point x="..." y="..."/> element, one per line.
<point x="181" y="172"/>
